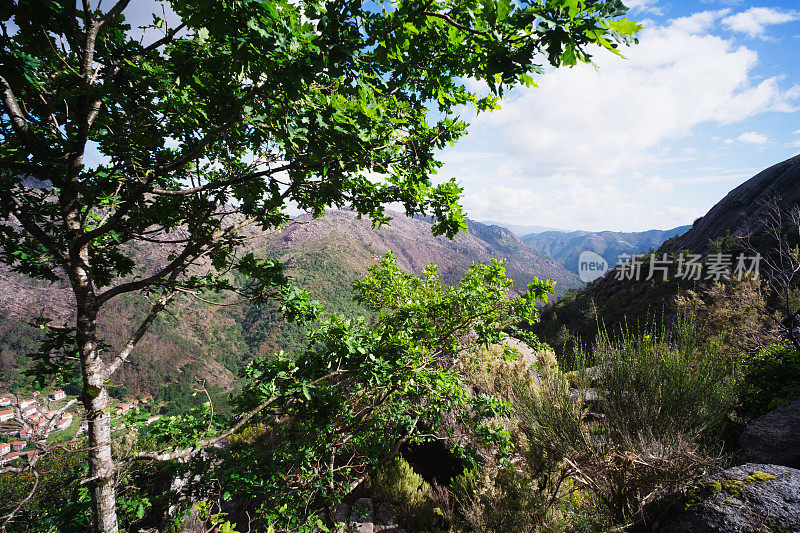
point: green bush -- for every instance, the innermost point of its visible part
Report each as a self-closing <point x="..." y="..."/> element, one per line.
<point x="662" y="403"/>
<point x="409" y="495"/>
<point x="771" y="378"/>
<point x="662" y="386"/>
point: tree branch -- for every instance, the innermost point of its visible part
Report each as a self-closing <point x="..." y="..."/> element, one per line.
<point x="18" y="122"/>
<point x="453" y="22"/>
<point x="126" y="350"/>
<point x="166" y="39"/>
<point x="35" y="231"/>
<point x="205" y="443"/>
<point x="174" y="266"/>
<point x="222" y="183"/>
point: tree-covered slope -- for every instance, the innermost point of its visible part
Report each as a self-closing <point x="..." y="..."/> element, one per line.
<point x="324" y="256"/>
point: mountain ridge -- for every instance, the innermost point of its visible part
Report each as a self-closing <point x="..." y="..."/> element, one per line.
<point x="739" y="211"/>
<point x="567" y="247"/>
<point x="325" y="255"/>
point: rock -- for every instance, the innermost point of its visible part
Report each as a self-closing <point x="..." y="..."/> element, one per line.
<point x="386" y="521"/>
<point x="361" y="516"/>
<point x="526" y="353"/>
<point x="589" y="395"/>
<point x="192" y="523"/>
<point x="774" y="438"/>
<point x="342" y="513"/>
<point x="747" y="498"/>
<point x="741" y="211"/>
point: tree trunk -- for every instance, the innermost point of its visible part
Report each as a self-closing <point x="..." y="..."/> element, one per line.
<point x="101" y="463"/>
<point x="102" y="468"/>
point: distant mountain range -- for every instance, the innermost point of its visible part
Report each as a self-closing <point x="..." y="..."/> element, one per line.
<point x="626" y="301"/>
<point x="324" y="255"/>
<point x="520" y="230"/>
<point x="567" y="246"/>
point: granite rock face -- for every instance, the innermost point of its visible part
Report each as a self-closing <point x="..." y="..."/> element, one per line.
<point x="740" y="210"/>
<point x="743" y="499"/>
<point x="774" y="438"/>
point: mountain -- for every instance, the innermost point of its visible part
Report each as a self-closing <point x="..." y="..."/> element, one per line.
<point x="196" y="341"/>
<point x="521" y="230"/>
<point x="738" y="213"/>
<point x="574" y="320"/>
<point x="567" y="247"/>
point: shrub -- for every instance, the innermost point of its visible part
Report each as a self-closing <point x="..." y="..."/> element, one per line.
<point x="662" y="403"/>
<point x="397" y="484"/>
<point x="734" y="316"/>
<point x="771" y="378"/>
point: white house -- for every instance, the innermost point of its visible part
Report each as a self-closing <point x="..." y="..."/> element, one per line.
<point x="64" y="423"/>
<point x="26" y="403"/>
<point x="17" y="445"/>
<point x="6" y="414"/>
<point x="9" y="457"/>
<point x="5" y="401"/>
<point x="58" y="395"/>
<point x="4" y="448"/>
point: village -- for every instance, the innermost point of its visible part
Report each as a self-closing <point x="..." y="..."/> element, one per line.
<point x="48" y="418"/>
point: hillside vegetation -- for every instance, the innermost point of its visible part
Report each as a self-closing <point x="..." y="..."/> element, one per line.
<point x="325" y="256"/>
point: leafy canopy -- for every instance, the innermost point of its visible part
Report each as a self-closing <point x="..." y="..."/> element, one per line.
<point x="179" y="130"/>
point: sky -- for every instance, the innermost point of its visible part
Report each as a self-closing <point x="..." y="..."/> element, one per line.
<point x="708" y="98"/>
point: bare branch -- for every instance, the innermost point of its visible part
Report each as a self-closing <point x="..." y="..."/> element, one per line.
<point x="126" y="350"/>
<point x="18" y="122"/>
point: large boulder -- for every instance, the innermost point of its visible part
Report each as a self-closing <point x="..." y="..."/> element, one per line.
<point x="774" y="438"/>
<point x="743" y="499"/>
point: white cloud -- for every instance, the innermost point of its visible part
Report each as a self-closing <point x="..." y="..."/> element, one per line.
<point x="656" y="185"/>
<point x="755" y="20"/>
<point x="647" y="6"/>
<point x="611" y="128"/>
<point x="752" y="137"/>
<point x="601" y="121"/>
<point x="699" y="22"/>
<point x="796" y="132"/>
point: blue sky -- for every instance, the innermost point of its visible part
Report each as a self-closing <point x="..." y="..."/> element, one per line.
<point x="709" y="97"/>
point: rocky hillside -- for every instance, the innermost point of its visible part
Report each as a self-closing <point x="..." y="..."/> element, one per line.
<point x="197" y="341"/>
<point x="567" y="247"/>
<point x="574" y="319"/>
<point x="739" y="212"/>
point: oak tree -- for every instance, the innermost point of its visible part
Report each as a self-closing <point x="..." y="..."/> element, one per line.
<point x="216" y="115"/>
